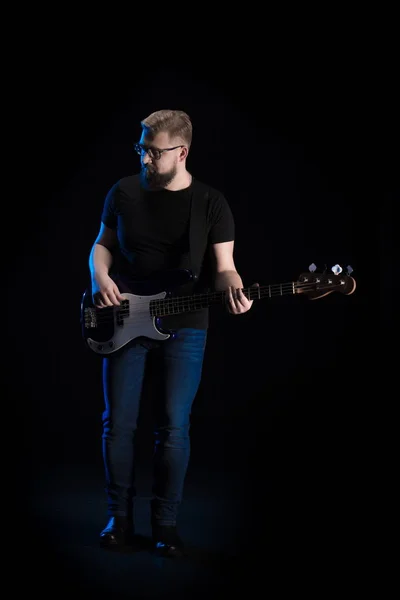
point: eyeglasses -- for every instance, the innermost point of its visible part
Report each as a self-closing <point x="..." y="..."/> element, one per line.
<point x="154" y="153"/>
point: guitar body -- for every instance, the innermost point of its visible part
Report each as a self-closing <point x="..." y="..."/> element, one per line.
<point x="106" y="330"/>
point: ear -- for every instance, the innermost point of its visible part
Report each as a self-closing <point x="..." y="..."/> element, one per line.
<point x="183" y="153"/>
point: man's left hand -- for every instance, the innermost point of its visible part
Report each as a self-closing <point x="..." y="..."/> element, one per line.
<point x="237" y="302"/>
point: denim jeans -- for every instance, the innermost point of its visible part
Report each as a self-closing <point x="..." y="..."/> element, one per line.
<point x="177" y="364"/>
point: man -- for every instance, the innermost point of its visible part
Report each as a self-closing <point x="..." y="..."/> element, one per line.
<point x="154" y="224"/>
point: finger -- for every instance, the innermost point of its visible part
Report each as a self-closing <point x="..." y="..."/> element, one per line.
<point x="99" y="304"/>
<point x="235" y="297"/>
<point x="238" y="300"/>
<point x="118" y="294"/>
<point x="230" y="298"/>
<point x="97" y="300"/>
<point x="106" y="300"/>
<point x="113" y="298"/>
<point x="242" y="298"/>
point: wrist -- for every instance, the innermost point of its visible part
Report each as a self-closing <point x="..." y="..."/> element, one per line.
<point x="99" y="272"/>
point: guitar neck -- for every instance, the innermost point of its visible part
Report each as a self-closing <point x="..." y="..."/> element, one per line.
<point x="179" y="304"/>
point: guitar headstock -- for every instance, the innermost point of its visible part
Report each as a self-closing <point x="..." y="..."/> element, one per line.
<point x="316" y="285"/>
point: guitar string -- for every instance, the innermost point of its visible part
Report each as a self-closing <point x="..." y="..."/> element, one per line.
<point x="191" y="300"/>
<point x="181" y="302"/>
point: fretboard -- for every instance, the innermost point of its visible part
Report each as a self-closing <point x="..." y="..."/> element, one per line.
<point x="180" y="304"/>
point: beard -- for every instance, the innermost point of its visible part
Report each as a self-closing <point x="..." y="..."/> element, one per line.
<point x="153" y="180"/>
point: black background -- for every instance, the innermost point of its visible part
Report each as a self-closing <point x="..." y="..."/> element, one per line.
<point x="303" y="141"/>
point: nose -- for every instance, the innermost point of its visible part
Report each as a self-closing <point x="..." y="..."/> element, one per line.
<point x="145" y="158"/>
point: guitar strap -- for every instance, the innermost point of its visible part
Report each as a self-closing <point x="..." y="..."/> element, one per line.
<point x="198" y="230"/>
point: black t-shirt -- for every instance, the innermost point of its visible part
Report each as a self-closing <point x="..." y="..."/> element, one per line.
<point x="153" y="234"/>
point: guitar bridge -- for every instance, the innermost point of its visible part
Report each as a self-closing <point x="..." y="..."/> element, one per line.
<point x="121" y="312"/>
<point x="90" y="318"/>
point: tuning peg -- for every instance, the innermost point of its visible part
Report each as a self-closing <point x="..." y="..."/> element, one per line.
<point x="349" y="270"/>
<point x="312" y="268"/>
<point x="336" y="269"/>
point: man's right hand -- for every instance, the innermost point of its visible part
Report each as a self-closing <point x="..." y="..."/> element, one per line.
<point x="105" y="292"/>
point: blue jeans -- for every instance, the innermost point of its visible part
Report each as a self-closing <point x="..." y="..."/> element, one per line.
<point x="177" y="364"/>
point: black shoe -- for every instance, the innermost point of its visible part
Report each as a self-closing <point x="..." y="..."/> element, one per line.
<point x="166" y="541"/>
<point x="119" y="532"/>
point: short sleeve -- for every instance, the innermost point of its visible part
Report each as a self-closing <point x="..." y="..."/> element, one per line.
<point x="222" y="225"/>
<point x="109" y="214"/>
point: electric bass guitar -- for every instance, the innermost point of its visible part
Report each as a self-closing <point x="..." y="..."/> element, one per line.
<point x="106" y="330"/>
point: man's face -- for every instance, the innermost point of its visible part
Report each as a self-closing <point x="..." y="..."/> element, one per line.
<point x="157" y="173"/>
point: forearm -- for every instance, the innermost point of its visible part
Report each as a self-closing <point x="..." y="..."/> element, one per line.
<point x="100" y="260"/>
<point x="224" y="279"/>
